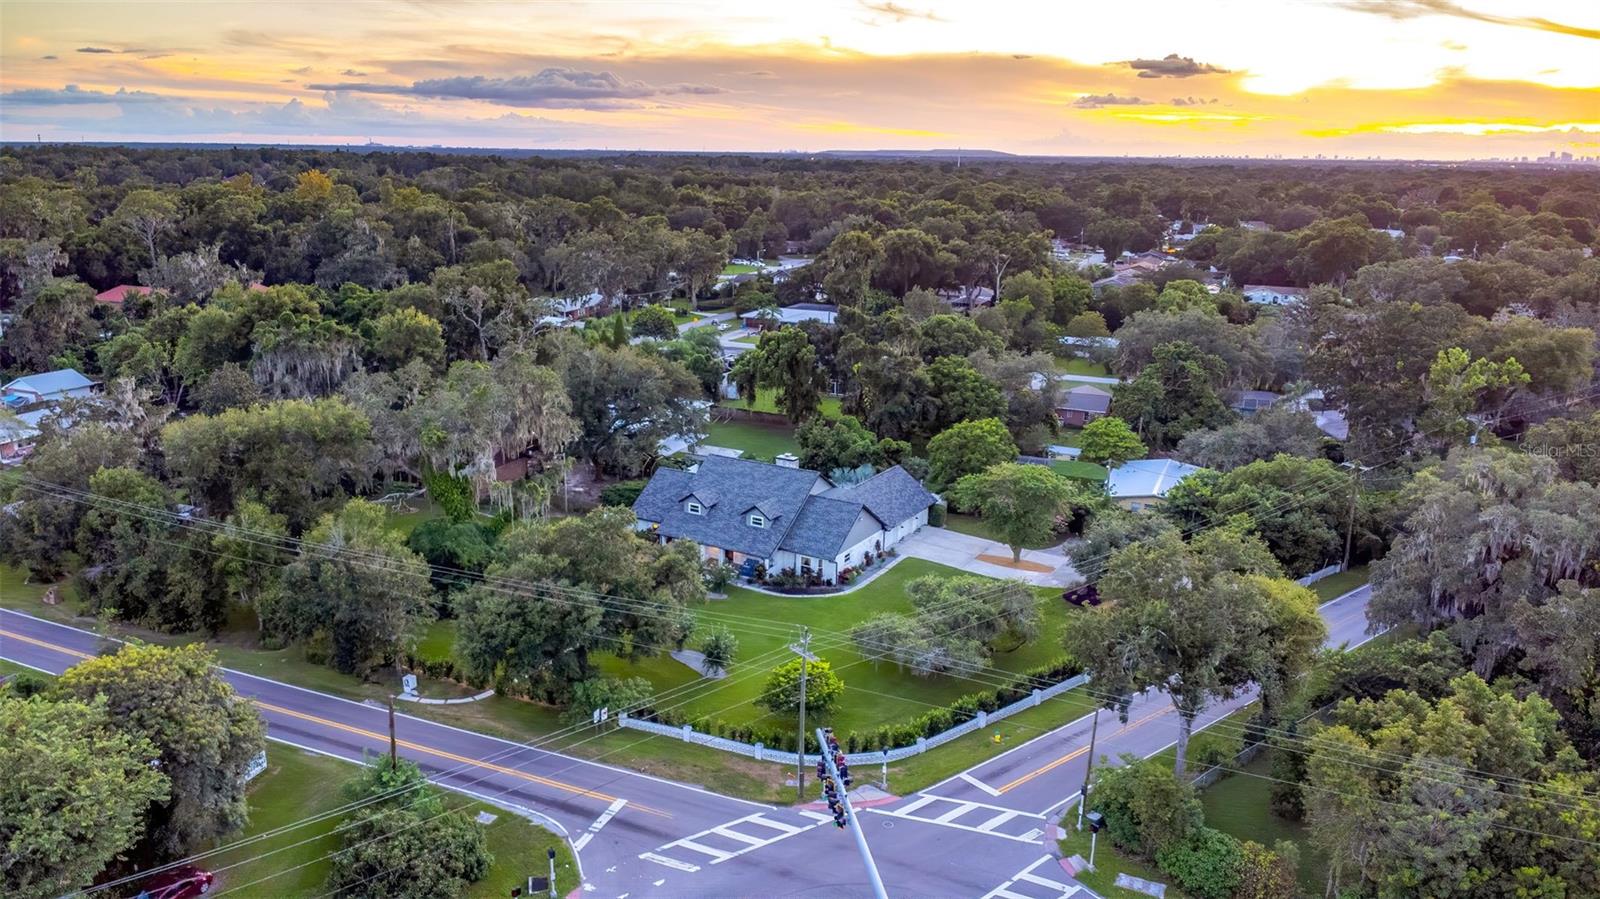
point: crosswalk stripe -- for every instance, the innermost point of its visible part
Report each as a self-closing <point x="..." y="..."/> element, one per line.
<point x="743" y="838"/>
<point x="779" y="825"/>
<point x="919" y="802"/>
<point x="996" y="821"/>
<point x="717" y="854"/>
<point x="669" y="862"/>
<point x="954" y="813"/>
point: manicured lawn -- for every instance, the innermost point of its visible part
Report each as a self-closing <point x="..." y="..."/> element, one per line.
<point x="1337" y="585"/>
<point x="1108" y="863"/>
<point x="1068" y="383"/>
<point x="767" y="401"/>
<point x="1083" y="471"/>
<point x="298" y="784"/>
<point x="749" y="339"/>
<point x="1081" y="367"/>
<point x="1241" y="805"/>
<point x="758" y="441"/>
<point x="438" y="642"/>
<point x="922" y="771"/>
<point x="415" y="512"/>
<point x="739" y="268"/>
<point x="977" y="527"/>
<point x="876" y="693"/>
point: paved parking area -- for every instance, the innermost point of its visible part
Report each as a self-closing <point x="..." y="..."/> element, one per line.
<point x="962" y="550"/>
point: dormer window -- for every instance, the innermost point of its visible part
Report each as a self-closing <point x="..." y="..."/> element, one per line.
<point x="694" y="508"/>
<point x="757" y="520"/>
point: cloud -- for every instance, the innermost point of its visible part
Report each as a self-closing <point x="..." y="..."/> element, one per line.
<point x="352" y="73"/>
<point x="51" y="56"/>
<point x="1095" y="101"/>
<point x="891" y="10"/>
<point x="95" y="50"/>
<point x="73" y="95"/>
<point x="1191" y="101"/>
<point x="1173" y="66"/>
<point x="552" y="88"/>
<point x="1401" y="10"/>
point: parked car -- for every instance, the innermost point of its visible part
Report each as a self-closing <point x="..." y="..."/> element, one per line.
<point x="183" y="882"/>
<point x="1084" y="595"/>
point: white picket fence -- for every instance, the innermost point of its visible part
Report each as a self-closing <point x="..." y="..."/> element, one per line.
<point x="1318" y="575"/>
<point x="761" y="753"/>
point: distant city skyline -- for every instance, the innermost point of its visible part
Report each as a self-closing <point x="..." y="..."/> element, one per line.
<point x="1423" y="79"/>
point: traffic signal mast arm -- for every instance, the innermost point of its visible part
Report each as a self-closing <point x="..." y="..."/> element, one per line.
<point x="828" y="747"/>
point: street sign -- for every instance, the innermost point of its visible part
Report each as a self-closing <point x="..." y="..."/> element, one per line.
<point x="409" y="683"/>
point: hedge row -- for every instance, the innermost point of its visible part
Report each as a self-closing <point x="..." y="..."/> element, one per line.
<point x="888" y="736"/>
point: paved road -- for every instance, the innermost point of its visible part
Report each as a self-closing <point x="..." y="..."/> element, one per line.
<point x="981" y="833"/>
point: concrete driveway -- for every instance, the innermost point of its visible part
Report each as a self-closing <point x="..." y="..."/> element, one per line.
<point x="962" y="550"/>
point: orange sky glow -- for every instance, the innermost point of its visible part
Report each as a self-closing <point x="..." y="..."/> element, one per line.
<point x="1395" y="78"/>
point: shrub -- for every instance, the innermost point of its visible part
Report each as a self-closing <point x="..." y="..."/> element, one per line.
<point x="617" y="694"/>
<point x="719" y="648"/>
<point x="1208" y="864"/>
<point x="782" y="691"/>
<point x="1147" y="808"/>
<point x="622" y="493"/>
<point x="1268" y="873"/>
<point x="654" y="321"/>
<point x="452" y="494"/>
<point x="936" y="515"/>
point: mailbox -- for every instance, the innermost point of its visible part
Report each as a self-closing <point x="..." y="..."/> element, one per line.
<point x="1096" y="821"/>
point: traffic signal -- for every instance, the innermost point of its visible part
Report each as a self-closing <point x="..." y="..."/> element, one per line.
<point x="837" y="808"/>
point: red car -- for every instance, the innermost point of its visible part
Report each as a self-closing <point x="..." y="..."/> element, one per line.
<point x="184" y="882"/>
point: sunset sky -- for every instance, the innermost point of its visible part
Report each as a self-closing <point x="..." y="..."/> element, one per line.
<point x="1397" y="78"/>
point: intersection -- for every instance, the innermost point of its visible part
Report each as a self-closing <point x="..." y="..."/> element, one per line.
<point x="984" y="832"/>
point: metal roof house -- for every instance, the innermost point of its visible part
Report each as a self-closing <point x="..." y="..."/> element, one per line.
<point x="1142" y="483"/>
<point x="48" y="387"/>
<point x="781" y="516"/>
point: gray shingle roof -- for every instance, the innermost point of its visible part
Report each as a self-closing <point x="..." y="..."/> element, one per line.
<point x="1087" y="399"/>
<point x="739" y="486"/>
<point x="891" y="495"/>
<point x="823" y="525"/>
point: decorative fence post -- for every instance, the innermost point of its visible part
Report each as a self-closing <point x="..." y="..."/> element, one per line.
<point x="688" y="733"/>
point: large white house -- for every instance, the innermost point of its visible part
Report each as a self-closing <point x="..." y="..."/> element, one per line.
<point x="48" y="387"/>
<point x="781" y="516"/>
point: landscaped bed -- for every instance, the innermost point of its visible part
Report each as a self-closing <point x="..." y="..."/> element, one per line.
<point x="298" y="784"/>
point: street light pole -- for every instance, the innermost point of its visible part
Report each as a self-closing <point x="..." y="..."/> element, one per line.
<point x="1083" y="797"/>
<point x="803" y="649"/>
<point x="873" y="877"/>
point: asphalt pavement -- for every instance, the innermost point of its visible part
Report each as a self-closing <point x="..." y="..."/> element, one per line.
<point x="982" y="833"/>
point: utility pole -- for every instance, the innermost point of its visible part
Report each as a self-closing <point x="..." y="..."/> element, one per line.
<point x="1083" y="797"/>
<point x="1350" y="528"/>
<point x="850" y="816"/>
<point x="394" y="760"/>
<point x="803" y="649"/>
<point x="551" y="854"/>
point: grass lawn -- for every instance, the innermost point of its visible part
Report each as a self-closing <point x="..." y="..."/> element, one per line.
<point x="758" y="441"/>
<point x="1081" y="367"/>
<point x="1108" y="863"/>
<point x="739" y="268"/>
<point x="977" y="527"/>
<point x="420" y="509"/>
<point x="767" y="401"/>
<point x="1069" y="383"/>
<point x="1337" y="585"/>
<point x="298" y="784"/>
<point x="1068" y="437"/>
<point x="875" y="692"/>
<point x="1241" y="805"/>
<point x="1083" y="471"/>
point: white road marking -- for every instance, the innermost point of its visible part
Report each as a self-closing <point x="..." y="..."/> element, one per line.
<point x="669" y="862"/>
<point x="735" y="831"/>
<point x="923" y="800"/>
<point x="997" y="820"/>
<point x="607" y="815"/>
<point x="717" y="855"/>
<point x="659" y="882"/>
<point x="954" y="813"/>
<point x="978" y="783"/>
<point x="1026" y="875"/>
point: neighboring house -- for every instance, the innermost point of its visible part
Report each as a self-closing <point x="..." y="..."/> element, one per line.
<point x="1092" y="343"/>
<point x="773" y="319"/>
<point x="1255" y="225"/>
<point x="1123" y="278"/>
<point x="1267" y="295"/>
<point x="1143" y="483"/>
<point x="116" y="295"/>
<point x="1081" y="405"/>
<point x="574" y="308"/>
<point x="1395" y="233"/>
<point x="1333" y="423"/>
<point x="781" y="516"/>
<point x="966" y="298"/>
<point x="17" y="436"/>
<point x="49" y="387"/>
<point x="1249" y="402"/>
